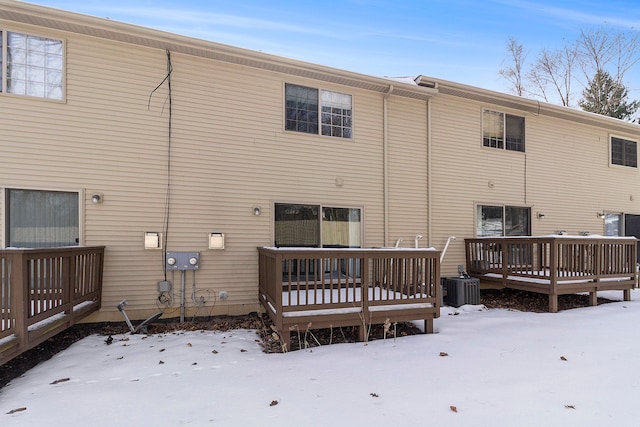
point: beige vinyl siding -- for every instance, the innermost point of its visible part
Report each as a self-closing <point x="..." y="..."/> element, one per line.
<point x="564" y="173"/>
<point x="408" y="207"/>
<point x="229" y="153"/>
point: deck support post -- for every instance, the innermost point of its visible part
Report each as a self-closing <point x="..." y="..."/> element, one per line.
<point x="593" y="298"/>
<point x="553" y="303"/>
<point x="362" y="333"/>
<point x="428" y="326"/>
<point x="627" y="294"/>
<point x="285" y="338"/>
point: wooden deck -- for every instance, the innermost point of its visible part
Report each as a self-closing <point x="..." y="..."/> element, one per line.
<point x="555" y="265"/>
<point x="45" y="291"/>
<point x="312" y="288"/>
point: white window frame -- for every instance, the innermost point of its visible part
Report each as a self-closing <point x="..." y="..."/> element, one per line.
<point x="504" y="143"/>
<point x="45" y="70"/>
<point x="326" y="98"/>
<point x="321" y="207"/>
<point x="503" y="207"/>
<point x="608" y="221"/>
<point x="626" y="139"/>
<point x="4" y="209"/>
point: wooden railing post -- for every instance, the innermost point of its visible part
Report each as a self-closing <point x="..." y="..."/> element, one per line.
<point x="553" y="275"/>
<point x="19" y="289"/>
<point x="364" y="293"/>
<point x="68" y="279"/>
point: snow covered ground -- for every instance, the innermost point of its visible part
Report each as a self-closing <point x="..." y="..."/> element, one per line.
<point x="482" y="368"/>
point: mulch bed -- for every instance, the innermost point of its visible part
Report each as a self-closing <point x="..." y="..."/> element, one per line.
<point x="504" y="298"/>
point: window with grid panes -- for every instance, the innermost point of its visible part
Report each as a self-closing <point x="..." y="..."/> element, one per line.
<point x="502" y="131"/>
<point x="318" y="111"/>
<point x="624" y="152"/>
<point x="31" y="65"/>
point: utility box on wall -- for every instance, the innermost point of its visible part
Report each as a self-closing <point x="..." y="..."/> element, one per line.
<point x="461" y="290"/>
<point x="183" y="260"/>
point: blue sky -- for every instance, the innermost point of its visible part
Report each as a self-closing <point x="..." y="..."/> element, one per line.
<point x="458" y="40"/>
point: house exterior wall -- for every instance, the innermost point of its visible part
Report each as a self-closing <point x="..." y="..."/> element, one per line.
<point x="564" y="173"/>
<point x="413" y="166"/>
<point x="229" y="153"/>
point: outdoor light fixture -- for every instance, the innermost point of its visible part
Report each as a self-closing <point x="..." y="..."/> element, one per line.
<point x="600" y="215"/>
<point x="256" y="210"/>
<point x="96" y="198"/>
<point x="540" y="215"/>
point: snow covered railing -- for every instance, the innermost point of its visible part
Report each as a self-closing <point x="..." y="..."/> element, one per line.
<point x="555" y="265"/>
<point x="312" y="288"/>
<point x="45" y="291"/>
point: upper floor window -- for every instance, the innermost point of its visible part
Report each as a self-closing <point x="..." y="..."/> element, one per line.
<point x="624" y="152"/>
<point x="503" y="131"/>
<point x="31" y="65"/>
<point x="316" y="111"/>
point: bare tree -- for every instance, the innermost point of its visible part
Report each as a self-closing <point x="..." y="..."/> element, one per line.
<point x="514" y="72"/>
<point x="602" y="49"/>
<point x="552" y="74"/>
<point x="597" y="53"/>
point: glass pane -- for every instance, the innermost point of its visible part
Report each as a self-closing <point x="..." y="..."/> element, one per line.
<point x="16" y="41"/>
<point x="612" y="225"/>
<point x="336" y="114"/>
<point x="492" y="129"/>
<point x="341" y="228"/>
<point x="617" y="151"/>
<point x="42" y="219"/>
<point x="517" y="221"/>
<point x="297" y="225"/>
<point x="301" y="105"/>
<point x="34" y="66"/>
<point x="630" y="154"/>
<point x="514" y="133"/>
<point x="489" y="221"/>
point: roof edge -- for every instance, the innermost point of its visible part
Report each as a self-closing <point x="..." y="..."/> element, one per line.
<point x="72" y="22"/>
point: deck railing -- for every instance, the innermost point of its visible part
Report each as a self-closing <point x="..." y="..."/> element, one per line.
<point x="348" y="287"/>
<point x="44" y="291"/>
<point x="555" y="265"/>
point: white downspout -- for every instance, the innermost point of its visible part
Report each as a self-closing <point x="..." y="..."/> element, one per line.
<point x="385" y="166"/>
<point x="429" y="209"/>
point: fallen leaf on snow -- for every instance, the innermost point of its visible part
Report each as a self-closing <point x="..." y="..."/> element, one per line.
<point x="442" y="353"/>
<point x="569" y="406"/>
<point x="61" y="380"/>
<point x="373" y="395"/>
<point x="453" y="408"/>
<point x="273" y="403"/>
<point x="13" y="411"/>
<point x="563" y="358"/>
<point x="189" y="344"/>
